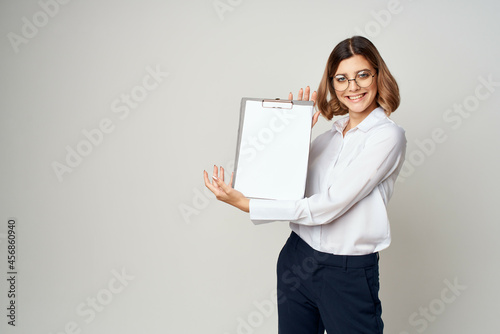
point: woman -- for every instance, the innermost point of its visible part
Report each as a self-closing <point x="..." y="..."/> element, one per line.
<point x="328" y="269"/>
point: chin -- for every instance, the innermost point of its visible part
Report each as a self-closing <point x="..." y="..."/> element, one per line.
<point x="361" y="109"/>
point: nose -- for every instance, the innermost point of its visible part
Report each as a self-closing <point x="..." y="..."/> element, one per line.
<point x="353" y="85"/>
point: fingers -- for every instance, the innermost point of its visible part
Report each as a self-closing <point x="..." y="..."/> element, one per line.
<point x="214" y="187"/>
<point x="300" y="95"/>
<point x="208" y="184"/>
<point x="218" y="181"/>
<point x="314" y="97"/>
<point x="215" y="175"/>
<point x="307" y="93"/>
<point x="304" y="95"/>
<point x="225" y="192"/>
<point x="225" y="188"/>
<point x="205" y="178"/>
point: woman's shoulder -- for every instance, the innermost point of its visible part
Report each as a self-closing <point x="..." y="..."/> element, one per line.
<point x="387" y="129"/>
<point x="389" y="125"/>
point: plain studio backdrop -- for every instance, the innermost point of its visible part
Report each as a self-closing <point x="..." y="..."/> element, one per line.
<point x="111" y="110"/>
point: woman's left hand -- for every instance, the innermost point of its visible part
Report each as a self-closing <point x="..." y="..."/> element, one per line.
<point x="304" y="96"/>
<point x="225" y="192"/>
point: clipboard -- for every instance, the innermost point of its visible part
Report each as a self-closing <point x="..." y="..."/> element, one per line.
<point x="272" y="150"/>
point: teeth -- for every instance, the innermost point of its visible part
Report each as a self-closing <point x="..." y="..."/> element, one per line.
<point x="355" y="97"/>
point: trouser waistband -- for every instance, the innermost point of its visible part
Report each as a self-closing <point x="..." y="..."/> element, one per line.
<point x="327" y="259"/>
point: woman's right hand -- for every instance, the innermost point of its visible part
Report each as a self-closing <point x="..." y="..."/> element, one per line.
<point x="305" y="97"/>
<point x="225" y="192"/>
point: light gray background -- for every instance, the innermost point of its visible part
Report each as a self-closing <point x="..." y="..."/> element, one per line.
<point x="206" y="272"/>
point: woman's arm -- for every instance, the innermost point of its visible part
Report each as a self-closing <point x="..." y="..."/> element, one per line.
<point x="381" y="158"/>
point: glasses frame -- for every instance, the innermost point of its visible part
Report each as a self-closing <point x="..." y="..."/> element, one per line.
<point x="349" y="81"/>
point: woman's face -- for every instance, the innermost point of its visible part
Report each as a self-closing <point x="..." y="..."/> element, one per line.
<point x="355" y="98"/>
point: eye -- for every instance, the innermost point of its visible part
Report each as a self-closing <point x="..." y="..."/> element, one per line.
<point x="363" y="75"/>
<point x="340" y="78"/>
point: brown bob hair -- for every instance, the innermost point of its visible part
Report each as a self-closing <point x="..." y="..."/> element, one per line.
<point x="387" y="87"/>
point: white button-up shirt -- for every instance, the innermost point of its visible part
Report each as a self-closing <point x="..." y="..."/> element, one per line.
<point x="349" y="183"/>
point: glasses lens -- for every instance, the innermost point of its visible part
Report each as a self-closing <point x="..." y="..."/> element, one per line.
<point x="364" y="79"/>
<point x="340" y="83"/>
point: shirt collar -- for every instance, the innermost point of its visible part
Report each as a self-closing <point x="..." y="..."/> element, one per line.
<point x="376" y="115"/>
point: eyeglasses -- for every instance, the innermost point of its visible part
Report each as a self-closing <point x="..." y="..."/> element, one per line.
<point x="363" y="79"/>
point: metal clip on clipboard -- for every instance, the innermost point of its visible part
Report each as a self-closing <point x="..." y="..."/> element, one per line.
<point x="277" y="103"/>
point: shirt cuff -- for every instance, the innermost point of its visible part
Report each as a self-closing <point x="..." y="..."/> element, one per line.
<point x="266" y="210"/>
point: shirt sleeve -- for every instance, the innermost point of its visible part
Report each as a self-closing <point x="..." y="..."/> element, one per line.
<point x="382" y="156"/>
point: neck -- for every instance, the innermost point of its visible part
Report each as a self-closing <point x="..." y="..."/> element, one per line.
<point x="357" y="117"/>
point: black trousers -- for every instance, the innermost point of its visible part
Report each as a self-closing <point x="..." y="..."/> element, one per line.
<point x="318" y="291"/>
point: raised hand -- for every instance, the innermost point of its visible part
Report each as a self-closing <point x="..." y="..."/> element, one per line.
<point x="304" y="96"/>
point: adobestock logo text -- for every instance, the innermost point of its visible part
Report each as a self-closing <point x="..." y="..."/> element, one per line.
<point x="31" y="26"/>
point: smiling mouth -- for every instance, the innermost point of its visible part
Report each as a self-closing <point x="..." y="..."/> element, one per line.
<point x="356" y="97"/>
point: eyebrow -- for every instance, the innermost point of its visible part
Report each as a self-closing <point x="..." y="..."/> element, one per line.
<point x="345" y="74"/>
